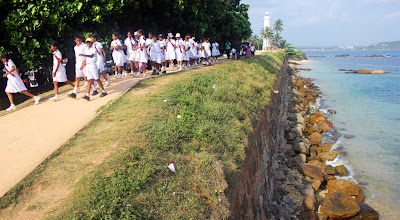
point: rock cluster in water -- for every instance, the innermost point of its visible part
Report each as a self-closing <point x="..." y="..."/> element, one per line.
<point x="310" y="188"/>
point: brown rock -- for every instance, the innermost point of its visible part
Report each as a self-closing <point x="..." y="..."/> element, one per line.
<point x="328" y="156"/>
<point x="316" y="163"/>
<point x="324" y="147"/>
<point x="315" y="138"/>
<point x="315" y="184"/>
<point x="361" y="196"/>
<point x="329" y="123"/>
<point x="366" y="213"/>
<point x="363" y="71"/>
<point x="329" y="170"/>
<point x="300" y="158"/>
<point x="315" y="128"/>
<point x="307" y="216"/>
<point x="325" y="127"/>
<point x="341" y="170"/>
<point x="322" y="216"/>
<point x="330" y="177"/>
<point x="309" y="203"/>
<point x="318" y="118"/>
<point x="339" y="206"/>
<point x="312" y="172"/>
<point x="343" y="186"/>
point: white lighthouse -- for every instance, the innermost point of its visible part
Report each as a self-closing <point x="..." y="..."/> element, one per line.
<point x="267" y="23"/>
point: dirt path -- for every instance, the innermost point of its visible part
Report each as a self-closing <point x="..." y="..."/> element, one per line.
<point x="31" y="134"/>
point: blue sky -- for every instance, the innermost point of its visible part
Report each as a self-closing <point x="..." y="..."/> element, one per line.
<point x="330" y="22"/>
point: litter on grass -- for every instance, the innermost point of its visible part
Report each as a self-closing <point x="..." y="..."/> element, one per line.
<point x="171" y="167"/>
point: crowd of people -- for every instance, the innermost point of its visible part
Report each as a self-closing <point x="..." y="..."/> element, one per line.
<point x="90" y="59"/>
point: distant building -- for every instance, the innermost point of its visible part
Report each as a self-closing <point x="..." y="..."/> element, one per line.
<point x="267" y="23"/>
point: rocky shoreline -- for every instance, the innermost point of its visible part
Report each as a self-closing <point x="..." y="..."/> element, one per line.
<point x="311" y="189"/>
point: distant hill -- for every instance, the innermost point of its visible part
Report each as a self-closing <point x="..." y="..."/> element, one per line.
<point x="394" y="45"/>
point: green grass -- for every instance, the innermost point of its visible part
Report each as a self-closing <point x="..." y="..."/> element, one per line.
<point x="203" y="128"/>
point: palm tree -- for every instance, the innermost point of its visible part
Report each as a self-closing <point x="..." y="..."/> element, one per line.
<point x="278" y="26"/>
<point x="266" y="32"/>
<point x="276" y="38"/>
<point x="282" y="44"/>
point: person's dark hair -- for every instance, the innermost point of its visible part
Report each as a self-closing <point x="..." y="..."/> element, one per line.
<point x="140" y="31"/>
<point x="78" y="37"/>
<point x="4" y="55"/>
<point x="116" y="34"/>
<point x="95" y="35"/>
<point x="151" y="33"/>
<point x="55" y="43"/>
<point x="160" y="35"/>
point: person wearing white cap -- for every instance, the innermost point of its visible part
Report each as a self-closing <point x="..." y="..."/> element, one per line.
<point x="130" y="43"/>
<point x="170" y="51"/>
<point x="91" y="70"/>
<point x="192" y="49"/>
<point x="179" y="50"/>
<point x="215" y="51"/>
<point x="117" y="54"/>
<point x="141" y="56"/>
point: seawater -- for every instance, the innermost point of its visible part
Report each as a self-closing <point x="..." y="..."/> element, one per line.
<point x="368" y="107"/>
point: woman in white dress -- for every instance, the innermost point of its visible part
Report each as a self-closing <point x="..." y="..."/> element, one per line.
<point x="59" y="72"/>
<point x="117" y="54"/>
<point x="215" y="51"/>
<point x="14" y="82"/>
<point x="170" y="51"/>
<point x="179" y="50"/>
<point x="207" y="51"/>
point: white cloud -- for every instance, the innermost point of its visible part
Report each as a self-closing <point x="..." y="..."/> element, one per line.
<point x="393" y="15"/>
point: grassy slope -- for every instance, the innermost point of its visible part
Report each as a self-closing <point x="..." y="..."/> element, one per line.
<point x="116" y="167"/>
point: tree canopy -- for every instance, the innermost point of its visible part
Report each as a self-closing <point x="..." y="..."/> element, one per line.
<point x="29" y="25"/>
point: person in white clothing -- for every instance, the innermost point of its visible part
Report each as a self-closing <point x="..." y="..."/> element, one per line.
<point x="163" y="48"/>
<point x="179" y="50"/>
<point x="79" y="73"/>
<point x="92" y="72"/>
<point x="14" y="82"/>
<point x="192" y="53"/>
<point x="215" y="51"/>
<point x="118" y="54"/>
<point x="141" y="56"/>
<point x="148" y="50"/>
<point x="170" y="51"/>
<point x="207" y="51"/>
<point x="186" y="57"/>
<point x="59" y="72"/>
<point x="101" y="59"/>
<point x="156" y="52"/>
<point x="130" y="43"/>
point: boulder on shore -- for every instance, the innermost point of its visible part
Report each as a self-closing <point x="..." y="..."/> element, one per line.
<point x="347" y="188"/>
<point x="318" y="118"/>
<point x="328" y="156"/>
<point x="315" y="138"/>
<point x="312" y="172"/>
<point x="366" y="213"/>
<point x="339" y="206"/>
<point x="363" y="71"/>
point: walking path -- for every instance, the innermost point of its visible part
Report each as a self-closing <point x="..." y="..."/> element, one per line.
<point x="31" y="134"/>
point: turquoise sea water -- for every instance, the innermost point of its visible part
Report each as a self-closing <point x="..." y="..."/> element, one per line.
<point x="368" y="107"/>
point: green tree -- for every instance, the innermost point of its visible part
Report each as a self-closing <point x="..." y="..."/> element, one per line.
<point x="276" y="38"/>
<point x="29" y="25"/>
<point x="266" y="33"/>
<point x="282" y="44"/>
<point x="278" y="26"/>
